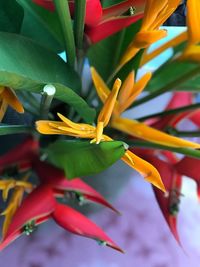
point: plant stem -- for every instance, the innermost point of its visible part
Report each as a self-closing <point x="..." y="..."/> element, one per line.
<point x="79" y="21"/>
<point x="185" y="151"/>
<point x="47" y="97"/>
<point x="168" y="87"/>
<point x="62" y="8"/>
<point x="14" y="129"/>
<point x="170" y="112"/>
<point x="175" y="132"/>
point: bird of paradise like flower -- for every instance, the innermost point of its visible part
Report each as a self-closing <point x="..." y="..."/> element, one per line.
<point x="115" y="102"/>
<point x="155" y="14"/>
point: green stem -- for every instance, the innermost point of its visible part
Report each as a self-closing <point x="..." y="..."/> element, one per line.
<point x="178" y="133"/>
<point x="14" y="129"/>
<point x="170" y="112"/>
<point x="169" y="87"/>
<point x="185" y="151"/>
<point x="79" y="21"/>
<point x="62" y="8"/>
<point x="47" y="97"/>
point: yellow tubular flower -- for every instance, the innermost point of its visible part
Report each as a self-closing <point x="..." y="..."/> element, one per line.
<point x="132" y="127"/>
<point x="19" y="187"/>
<point x="87" y="131"/>
<point x="13" y="205"/>
<point x="155" y="14"/>
<point x="9" y="98"/>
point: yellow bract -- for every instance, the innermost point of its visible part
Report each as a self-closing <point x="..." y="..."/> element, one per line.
<point x="9" y="98"/>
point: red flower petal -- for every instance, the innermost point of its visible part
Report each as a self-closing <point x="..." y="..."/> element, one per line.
<point x="78" y="224"/>
<point x="171" y="180"/>
<point x="195" y="117"/>
<point x="93" y="10"/>
<point x="178" y="100"/>
<point x="109" y="27"/>
<point x="119" y="9"/>
<point x="48" y="4"/>
<point x="24" y="152"/>
<point x="37" y="206"/>
<point x="191" y="168"/>
<point x="56" y="178"/>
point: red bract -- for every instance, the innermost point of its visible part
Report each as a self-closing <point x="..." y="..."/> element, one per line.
<point x="191" y="168"/>
<point x="21" y="155"/>
<point x="101" y="23"/>
<point x="40" y="206"/>
<point x="169" y="202"/>
<point x="55" y="178"/>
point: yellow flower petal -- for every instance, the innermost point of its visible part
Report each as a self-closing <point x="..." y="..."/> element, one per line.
<point x="3" y="108"/>
<point x="106" y="111"/>
<point x="11" y="98"/>
<point x="147" y="170"/>
<point x="101" y="88"/>
<point x="140" y="130"/>
<point x="172" y="43"/>
<point x="193" y="21"/>
<point x="73" y="125"/>
<point x="127" y="88"/>
<point x="49" y="127"/>
<point x="136" y="90"/>
<point x="13" y="205"/>
<point x="191" y="53"/>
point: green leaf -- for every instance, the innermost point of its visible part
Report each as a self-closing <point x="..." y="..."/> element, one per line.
<point x="80" y="158"/>
<point x="165" y="74"/>
<point x="14" y="129"/>
<point x="25" y="65"/>
<point x="110" y="51"/>
<point x="42" y="26"/>
<point x="11" y="16"/>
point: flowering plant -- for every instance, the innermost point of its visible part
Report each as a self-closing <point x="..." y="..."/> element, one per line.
<point x="78" y="126"/>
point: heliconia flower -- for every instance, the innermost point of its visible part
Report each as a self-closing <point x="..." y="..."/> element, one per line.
<point x="21" y="154"/>
<point x="169" y="201"/>
<point x="82" y="130"/>
<point x="54" y="177"/>
<point x="9" y="98"/>
<point x="128" y="93"/>
<point x="101" y="23"/>
<point x="40" y="206"/>
<point x="155" y="14"/>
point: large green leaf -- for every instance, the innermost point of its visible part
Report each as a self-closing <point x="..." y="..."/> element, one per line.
<point x="41" y="25"/>
<point x="105" y="55"/>
<point x="11" y="16"/>
<point x="28" y="66"/>
<point x="80" y="158"/>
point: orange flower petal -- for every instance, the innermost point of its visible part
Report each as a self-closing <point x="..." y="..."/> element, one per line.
<point x="144" y="168"/>
<point x="11" y="98"/>
<point x="140" y="130"/>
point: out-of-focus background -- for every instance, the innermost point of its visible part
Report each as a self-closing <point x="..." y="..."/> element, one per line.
<point x="141" y="230"/>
